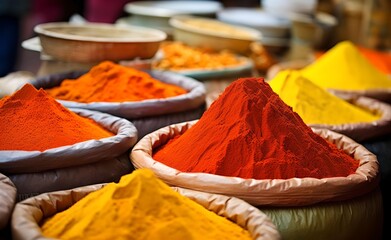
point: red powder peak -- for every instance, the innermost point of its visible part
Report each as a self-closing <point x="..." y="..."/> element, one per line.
<point x="250" y="132"/>
<point x="32" y="120"/>
<point x="28" y="91"/>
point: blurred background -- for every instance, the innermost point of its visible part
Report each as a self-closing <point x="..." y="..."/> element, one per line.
<point x="364" y="22"/>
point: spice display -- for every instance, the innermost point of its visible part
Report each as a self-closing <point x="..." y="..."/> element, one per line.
<point x="345" y="68"/>
<point x="314" y="104"/>
<point x="178" y="56"/>
<point x="32" y="120"/>
<point x="140" y="206"/>
<point x="110" y="82"/>
<point x="249" y="132"/>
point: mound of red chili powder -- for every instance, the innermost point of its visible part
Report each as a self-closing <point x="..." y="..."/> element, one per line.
<point x="32" y="120"/>
<point x="250" y="132"/>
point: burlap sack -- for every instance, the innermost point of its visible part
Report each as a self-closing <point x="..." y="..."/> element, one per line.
<point x="7" y="200"/>
<point x="89" y="162"/>
<point x="268" y="192"/>
<point x="364" y="131"/>
<point x="140" y="109"/>
<point x="28" y="214"/>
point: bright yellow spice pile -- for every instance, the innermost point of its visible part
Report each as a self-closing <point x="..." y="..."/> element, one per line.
<point x="314" y="104"/>
<point x="344" y="68"/>
<point x="140" y="206"/>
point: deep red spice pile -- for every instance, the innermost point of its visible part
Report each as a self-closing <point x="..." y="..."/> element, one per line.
<point x="32" y="120"/>
<point x="250" y="132"/>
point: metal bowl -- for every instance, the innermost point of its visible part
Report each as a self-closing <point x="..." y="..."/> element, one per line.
<point x="271" y="26"/>
<point x="156" y="14"/>
<point x="94" y="42"/>
<point x="213" y="34"/>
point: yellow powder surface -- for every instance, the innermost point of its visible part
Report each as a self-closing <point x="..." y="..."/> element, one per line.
<point x="140" y="206"/>
<point x="344" y="68"/>
<point x="111" y="82"/>
<point x="314" y="104"/>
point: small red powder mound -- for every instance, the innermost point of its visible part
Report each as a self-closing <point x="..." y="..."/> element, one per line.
<point x="249" y="132"/>
<point x="32" y="120"/>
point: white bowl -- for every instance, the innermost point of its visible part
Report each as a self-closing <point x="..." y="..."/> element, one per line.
<point x="213" y="34"/>
<point x="268" y="24"/>
<point x="156" y="14"/>
<point x="172" y="8"/>
<point x="94" y="42"/>
<point x="284" y="7"/>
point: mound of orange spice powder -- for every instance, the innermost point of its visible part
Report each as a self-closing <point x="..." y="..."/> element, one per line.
<point x="178" y="56"/>
<point x="249" y="132"/>
<point x="111" y="82"/>
<point x="32" y="120"/>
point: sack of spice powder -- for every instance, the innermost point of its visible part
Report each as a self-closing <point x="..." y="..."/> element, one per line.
<point x="344" y="71"/>
<point x="365" y="130"/>
<point x="359" y="118"/>
<point x="31" y="213"/>
<point x="84" y="163"/>
<point x="249" y="144"/>
<point x="150" y="100"/>
<point x="313" y="203"/>
<point x="274" y="192"/>
<point x="7" y="200"/>
<point x="45" y="146"/>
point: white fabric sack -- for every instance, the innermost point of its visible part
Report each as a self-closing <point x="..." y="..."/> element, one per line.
<point x="267" y="192"/>
<point x="84" y="163"/>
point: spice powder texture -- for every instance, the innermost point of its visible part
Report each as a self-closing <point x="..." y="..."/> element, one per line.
<point x="32" y="120"/>
<point x="314" y="104"/>
<point x="140" y="206"/>
<point x="345" y="68"/>
<point x="111" y="82"/>
<point x="249" y="132"/>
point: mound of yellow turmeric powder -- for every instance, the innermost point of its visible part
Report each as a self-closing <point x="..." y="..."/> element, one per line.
<point x="111" y="82"/>
<point x="314" y="104"/>
<point x="343" y="67"/>
<point x="140" y="206"/>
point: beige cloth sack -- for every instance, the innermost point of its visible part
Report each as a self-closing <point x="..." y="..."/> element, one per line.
<point x="383" y="95"/>
<point x="359" y="218"/>
<point x="29" y="213"/>
<point x="272" y="192"/>
<point x="364" y="131"/>
<point x="80" y="164"/>
<point x="7" y="200"/>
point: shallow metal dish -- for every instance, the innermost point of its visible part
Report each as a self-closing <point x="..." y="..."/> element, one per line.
<point x="156" y="14"/>
<point x="94" y="42"/>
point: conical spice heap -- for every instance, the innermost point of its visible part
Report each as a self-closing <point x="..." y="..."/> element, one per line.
<point x="249" y="132"/>
<point x="140" y="206"/>
<point x="314" y="104"/>
<point x="32" y="120"/>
